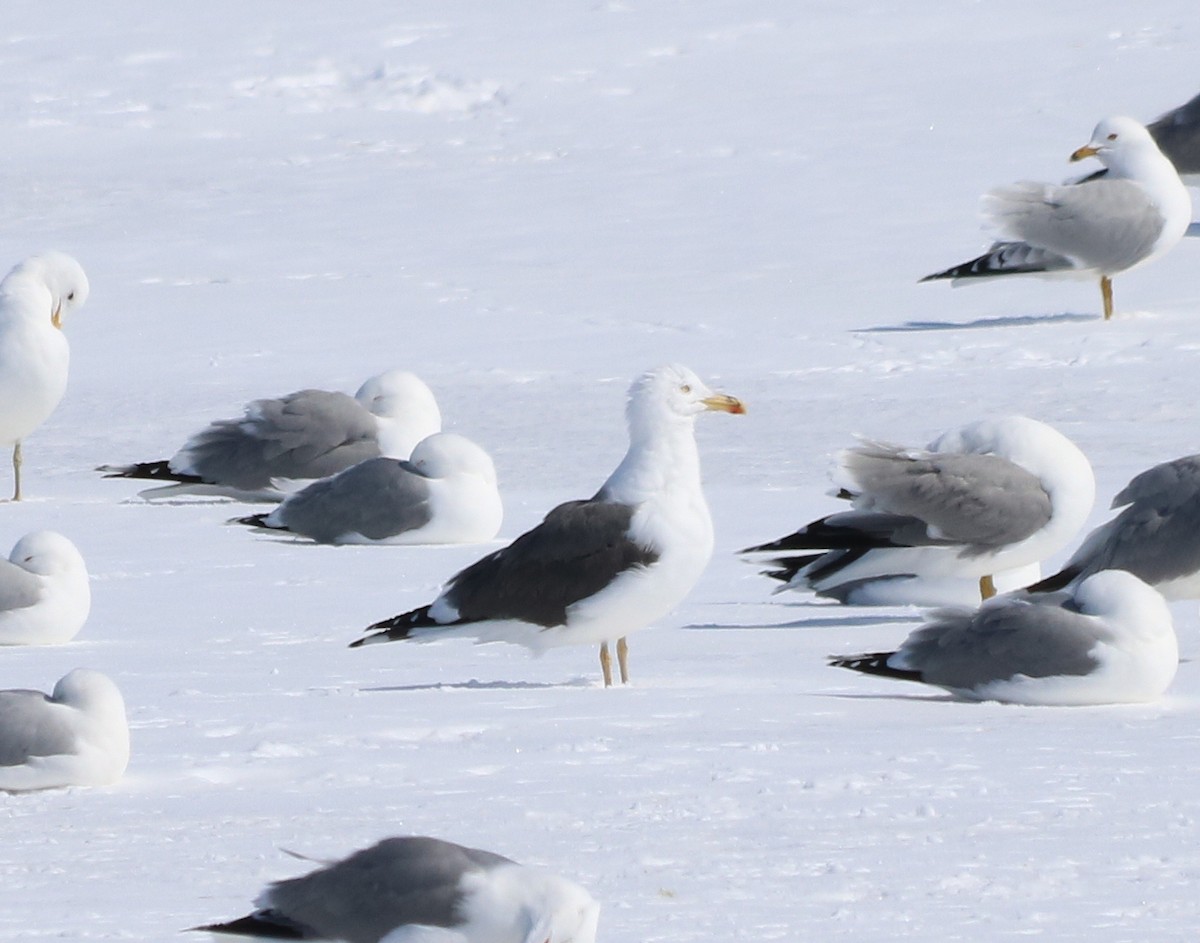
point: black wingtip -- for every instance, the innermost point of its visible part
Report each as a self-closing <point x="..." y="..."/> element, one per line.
<point x="1052" y="584"/>
<point x="873" y="663"/>
<point x="254" y="925"/>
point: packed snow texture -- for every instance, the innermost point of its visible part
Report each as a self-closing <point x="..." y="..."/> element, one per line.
<point x="528" y="208"/>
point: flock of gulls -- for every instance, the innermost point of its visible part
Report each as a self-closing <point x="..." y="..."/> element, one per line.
<point x="959" y="525"/>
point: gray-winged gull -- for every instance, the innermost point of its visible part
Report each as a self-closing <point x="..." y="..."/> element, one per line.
<point x="1156" y="537"/>
<point x="422" y="889"/>
<point x="44" y="592"/>
<point x="1110" y="641"/>
<point x="595" y="570"/>
<point x="989" y="497"/>
<point x="1097" y="227"/>
<point x="77" y="736"/>
<point x="299" y="437"/>
<point x="445" y="493"/>
<point x="35" y="298"/>
<point x="1177" y="134"/>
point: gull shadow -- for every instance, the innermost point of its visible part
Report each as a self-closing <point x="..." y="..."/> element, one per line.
<point x="1014" y="321"/>
<point x="928" y="698"/>
<point x="476" y="685"/>
<point x="817" y="623"/>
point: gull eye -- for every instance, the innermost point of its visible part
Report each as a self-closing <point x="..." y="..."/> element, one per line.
<point x="1113" y="136"/>
<point x="686" y="388"/>
<point x="71" y="296"/>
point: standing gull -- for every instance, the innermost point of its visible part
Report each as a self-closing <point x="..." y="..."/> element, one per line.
<point x="992" y="496"/>
<point x="35" y="297"/>
<point x="595" y="570"/>
<point x="445" y="493"/>
<point x="1156" y="537"/>
<point x="44" y="591"/>
<point x="78" y="736"/>
<point x="304" y="435"/>
<point x="1100" y="226"/>
<point x="1111" y="641"/>
<point x="418" y="889"/>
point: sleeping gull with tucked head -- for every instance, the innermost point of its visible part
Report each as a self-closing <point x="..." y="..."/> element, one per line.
<point x="445" y="493"/>
<point x="44" y="592"/>
<point x="1097" y="227"/>
<point x="35" y="298"/>
<point x="302" y="436"/>
<point x="77" y="736"/>
<point x="1156" y="537"/>
<point x="422" y="889"/>
<point x="992" y="496"/>
<point x="1110" y="641"/>
<point x="596" y="569"/>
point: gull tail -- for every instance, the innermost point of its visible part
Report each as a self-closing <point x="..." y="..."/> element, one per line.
<point x="397" y="628"/>
<point x="873" y="663"/>
<point x="149" y="471"/>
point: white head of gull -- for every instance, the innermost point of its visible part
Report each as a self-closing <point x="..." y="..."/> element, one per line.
<point x="45" y="595"/>
<point x="416" y="888"/>
<point x="78" y="736"/>
<point x="596" y="569"/>
<point x="35" y="298"/>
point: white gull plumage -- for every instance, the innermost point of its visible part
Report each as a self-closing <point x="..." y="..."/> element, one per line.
<point x="303" y="436"/>
<point x="76" y="736"/>
<point x="35" y="298"/>
<point x="595" y="570"/>
<point x="992" y="496"/>
<point x="1108" y="641"/>
<point x="422" y="890"/>
<point x="1097" y="227"/>
<point x="445" y="493"/>
<point x="45" y="596"/>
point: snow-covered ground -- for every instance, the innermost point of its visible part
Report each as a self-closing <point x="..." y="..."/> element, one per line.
<point x="528" y="204"/>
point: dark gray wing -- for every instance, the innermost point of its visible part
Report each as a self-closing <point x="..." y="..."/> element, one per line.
<point x="396" y="882"/>
<point x="18" y="587"/>
<point x="1178" y="136"/>
<point x="964" y="649"/>
<point x="982" y="501"/>
<point x="1157" y="536"/>
<point x="30" y="726"/>
<point x="308" y="434"/>
<point x="378" y="498"/>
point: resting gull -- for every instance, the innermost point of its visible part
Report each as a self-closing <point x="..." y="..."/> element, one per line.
<point x="302" y="436"/>
<point x="44" y="591"/>
<point x="422" y="889"/>
<point x="35" y="298"/>
<point x="596" y="569"/>
<point x="1110" y="641"/>
<point x="989" y="497"/>
<point x="1100" y="226"/>
<point x="78" y="736"/>
<point x="1156" y="537"/>
<point x="445" y="493"/>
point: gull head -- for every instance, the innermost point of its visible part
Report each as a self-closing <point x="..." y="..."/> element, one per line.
<point x="58" y="276"/>
<point x="46" y="553"/>
<point x="1114" y="139"/>
<point x="446" y="453"/>
<point x="674" y="391"/>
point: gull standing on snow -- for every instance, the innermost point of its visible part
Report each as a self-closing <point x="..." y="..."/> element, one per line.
<point x="304" y="435"/>
<point x="1100" y="226"/>
<point x="1111" y="641"/>
<point x="446" y="493"/>
<point x="35" y="297"/>
<point x="44" y="591"/>
<point x="422" y="889"/>
<point x="992" y="496"/>
<point x="595" y="570"/>
<point x="78" y="736"/>
<point x="1156" y="537"/>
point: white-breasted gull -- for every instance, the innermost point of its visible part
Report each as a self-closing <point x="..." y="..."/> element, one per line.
<point x="596" y="569"/>
<point x="35" y="298"/>
<point x="422" y="889"/>
<point x="1109" y="641"/>
<point x="303" y="436"/>
<point x="45" y="595"/>
<point x="989" y="497"/>
<point x="1097" y="227"/>
<point x="76" y="736"/>
<point x="445" y="493"/>
<point x="1156" y="536"/>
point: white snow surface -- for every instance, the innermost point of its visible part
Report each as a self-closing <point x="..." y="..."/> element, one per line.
<point x="527" y="208"/>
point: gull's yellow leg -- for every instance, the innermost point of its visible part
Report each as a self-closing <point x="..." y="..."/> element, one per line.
<point x="987" y="587"/>
<point x="606" y="664"/>
<point x="623" y="658"/>
<point x="17" y="472"/>
<point x="1106" y="294"/>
